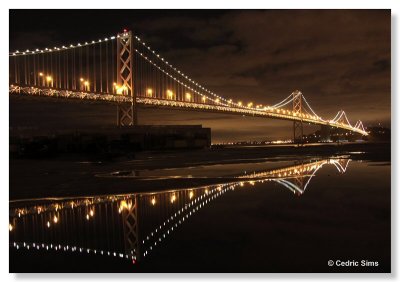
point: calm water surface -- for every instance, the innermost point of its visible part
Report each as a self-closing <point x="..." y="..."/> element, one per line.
<point x="288" y="216"/>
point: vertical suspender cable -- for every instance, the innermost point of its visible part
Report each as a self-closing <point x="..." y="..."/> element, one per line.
<point x="87" y="64"/>
<point x="25" y="70"/>
<point x="94" y="68"/>
<point x="101" y="71"/>
<point x="15" y="69"/>
<point x="107" y="70"/>
<point x="67" y="72"/>
<point x="113" y="58"/>
<point x="34" y="70"/>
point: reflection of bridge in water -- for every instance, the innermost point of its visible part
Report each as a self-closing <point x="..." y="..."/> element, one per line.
<point x="130" y="226"/>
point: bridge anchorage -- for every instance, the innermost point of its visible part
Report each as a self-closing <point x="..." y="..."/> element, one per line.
<point x="125" y="71"/>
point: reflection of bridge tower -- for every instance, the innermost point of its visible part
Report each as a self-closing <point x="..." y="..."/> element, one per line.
<point x="130" y="222"/>
<point x="126" y="113"/>
<point x="297" y="125"/>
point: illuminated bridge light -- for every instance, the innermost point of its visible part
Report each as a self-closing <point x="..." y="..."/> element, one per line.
<point x="170" y="94"/>
<point x="173" y="198"/>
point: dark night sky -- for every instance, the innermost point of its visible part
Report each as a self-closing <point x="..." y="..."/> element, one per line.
<point x="339" y="59"/>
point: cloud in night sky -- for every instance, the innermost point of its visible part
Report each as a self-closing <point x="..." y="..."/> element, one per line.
<point x="339" y="59"/>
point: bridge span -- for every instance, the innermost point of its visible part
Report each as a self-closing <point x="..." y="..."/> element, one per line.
<point x="124" y="70"/>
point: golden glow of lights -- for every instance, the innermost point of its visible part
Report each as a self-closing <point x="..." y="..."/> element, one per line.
<point x="170" y="94"/>
<point x="203" y="99"/>
<point x="10" y="227"/>
<point x="241" y="184"/>
<point x="217" y="100"/>
<point x="153" y="201"/>
<point x="81" y="79"/>
<point x="250" y="104"/>
<point x="48" y="224"/>
<point x="86" y="83"/>
<point x="191" y="194"/>
<point x="120" y="89"/>
<point x="188" y="96"/>
<point x="123" y="205"/>
<point x="40" y="74"/>
<point x="149" y="92"/>
<point x="87" y="217"/>
<point x="251" y="183"/>
<point x="206" y="191"/>
<point x="173" y="198"/>
<point x="55" y="219"/>
<point x="49" y="78"/>
<point x="239" y="103"/>
<point x="91" y="212"/>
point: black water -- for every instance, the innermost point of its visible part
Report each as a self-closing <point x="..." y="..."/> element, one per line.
<point x="294" y="219"/>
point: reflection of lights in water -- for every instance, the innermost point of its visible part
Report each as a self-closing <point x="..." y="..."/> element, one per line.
<point x="205" y="195"/>
<point x="68" y="248"/>
<point x="190" y="210"/>
<point x="10" y="227"/>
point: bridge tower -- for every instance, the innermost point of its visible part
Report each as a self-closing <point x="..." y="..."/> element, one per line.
<point x="130" y="222"/>
<point x="126" y="113"/>
<point x="297" y="125"/>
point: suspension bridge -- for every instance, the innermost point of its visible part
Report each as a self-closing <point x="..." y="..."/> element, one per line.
<point x="133" y="225"/>
<point x="124" y="70"/>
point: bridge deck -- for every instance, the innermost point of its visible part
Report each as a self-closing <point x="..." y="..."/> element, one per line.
<point x="172" y="104"/>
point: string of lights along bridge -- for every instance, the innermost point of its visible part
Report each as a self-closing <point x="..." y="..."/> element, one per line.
<point x="123" y="69"/>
